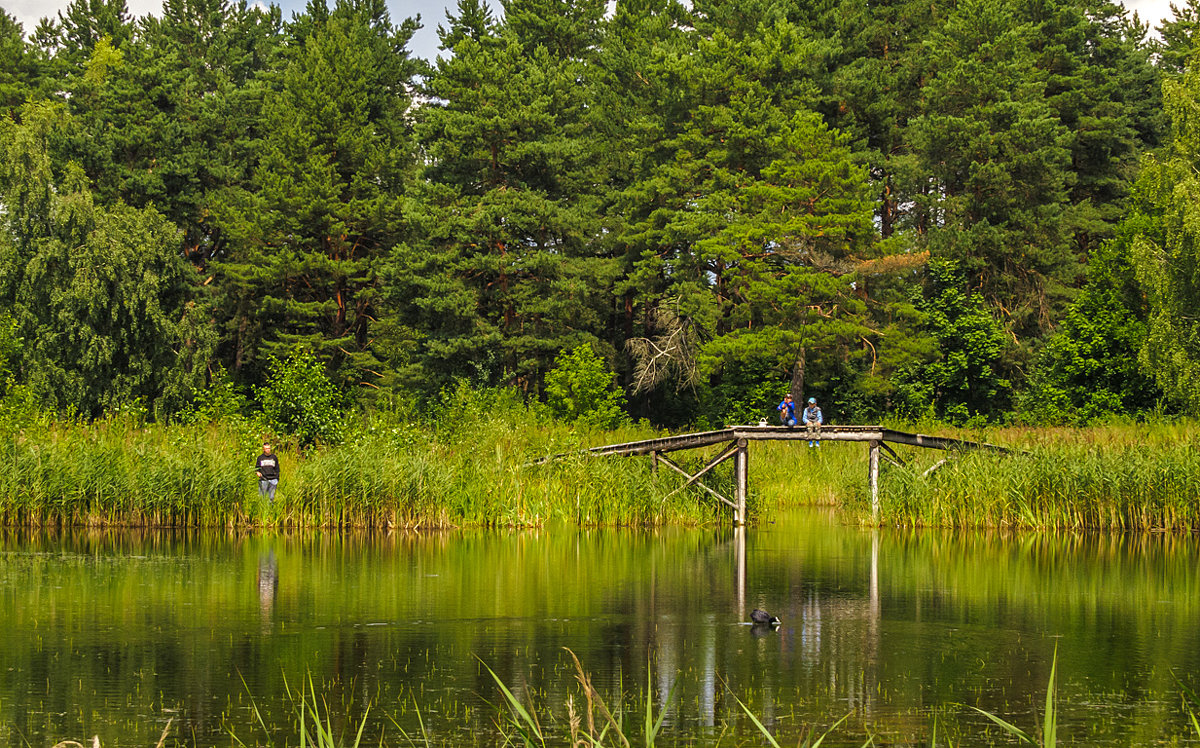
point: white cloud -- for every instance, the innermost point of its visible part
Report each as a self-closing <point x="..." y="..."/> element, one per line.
<point x="29" y="12"/>
<point x="1150" y="10"/>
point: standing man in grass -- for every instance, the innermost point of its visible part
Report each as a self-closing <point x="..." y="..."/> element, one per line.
<point x="267" y="470"/>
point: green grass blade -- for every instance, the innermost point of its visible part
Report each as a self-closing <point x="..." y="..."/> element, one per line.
<point x="1050" y="719"/>
<point x="254" y="705"/>
<point x="1009" y="727"/>
<point x="1189" y="702"/>
<point x="363" y="724"/>
<point x="516" y="706"/>
<point x="653" y="725"/>
<point x="833" y="727"/>
<point x="761" y="728"/>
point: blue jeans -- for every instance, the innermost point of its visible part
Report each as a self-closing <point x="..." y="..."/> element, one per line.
<point x="267" y="488"/>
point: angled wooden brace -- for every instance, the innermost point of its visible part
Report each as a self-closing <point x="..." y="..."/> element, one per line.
<point x="725" y="454"/>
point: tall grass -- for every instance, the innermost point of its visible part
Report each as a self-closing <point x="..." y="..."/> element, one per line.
<point x="465" y="463"/>
<point x="1125" y="477"/>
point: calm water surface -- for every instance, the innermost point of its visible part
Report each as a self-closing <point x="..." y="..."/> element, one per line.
<point x="115" y="633"/>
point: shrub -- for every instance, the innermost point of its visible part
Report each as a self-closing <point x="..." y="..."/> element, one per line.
<point x="300" y="400"/>
<point x="580" y="388"/>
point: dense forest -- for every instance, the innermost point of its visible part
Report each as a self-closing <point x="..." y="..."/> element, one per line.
<point x="970" y="210"/>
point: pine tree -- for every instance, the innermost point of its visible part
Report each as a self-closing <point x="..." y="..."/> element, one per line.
<point x="325" y="202"/>
<point x="19" y="66"/>
<point x="174" y="121"/>
<point x="989" y="173"/>
<point x="746" y="224"/>
<point x="509" y="273"/>
<point x="875" y="85"/>
<point x="1179" y="36"/>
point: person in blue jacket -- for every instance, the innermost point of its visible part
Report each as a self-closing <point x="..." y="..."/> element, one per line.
<point x="813" y="419"/>
<point x="787" y="411"/>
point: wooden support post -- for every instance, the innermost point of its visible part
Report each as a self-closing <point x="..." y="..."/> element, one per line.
<point x="741" y="473"/>
<point x="654" y="462"/>
<point x="873" y="479"/>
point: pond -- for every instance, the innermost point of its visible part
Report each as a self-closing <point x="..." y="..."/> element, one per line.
<point x="117" y="634"/>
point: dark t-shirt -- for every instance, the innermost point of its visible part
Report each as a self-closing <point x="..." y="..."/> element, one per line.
<point x="268" y="465"/>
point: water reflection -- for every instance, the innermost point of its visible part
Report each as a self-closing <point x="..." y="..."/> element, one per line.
<point x="268" y="585"/>
<point x="114" y="633"/>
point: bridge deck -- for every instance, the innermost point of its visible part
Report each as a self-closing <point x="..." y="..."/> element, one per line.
<point x="784" y="433"/>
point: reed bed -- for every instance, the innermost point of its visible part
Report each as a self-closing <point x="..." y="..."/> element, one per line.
<point x="1074" y="481"/>
<point x="465" y="462"/>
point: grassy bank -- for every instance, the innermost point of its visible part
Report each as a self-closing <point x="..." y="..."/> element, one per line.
<point x="461" y="466"/>
<point x="1116" y="477"/>
<point x="465" y="463"/>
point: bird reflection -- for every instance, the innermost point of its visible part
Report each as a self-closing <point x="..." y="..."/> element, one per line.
<point x="761" y="629"/>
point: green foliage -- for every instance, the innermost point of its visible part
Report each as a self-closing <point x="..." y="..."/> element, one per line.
<point x="221" y="400"/>
<point x="1089" y="368"/>
<point x="98" y="293"/>
<point x="1123" y="478"/>
<point x="1166" y="250"/>
<point x="463" y="462"/>
<point x="10" y="346"/>
<point x="964" y="380"/>
<point x="299" y="399"/>
<point x="580" y="388"/>
<point x="324" y="205"/>
<point x="1179" y="36"/>
<point x="19" y="68"/>
<point x="510" y="267"/>
<point x="725" y="196"/>
<point x="746" y="393"/>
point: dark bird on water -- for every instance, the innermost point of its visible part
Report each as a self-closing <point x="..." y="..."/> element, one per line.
<point x="763" y="617"/>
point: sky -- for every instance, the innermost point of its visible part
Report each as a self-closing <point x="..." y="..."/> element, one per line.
<point x="424" y="44"/>
<point x="432" y="12"/>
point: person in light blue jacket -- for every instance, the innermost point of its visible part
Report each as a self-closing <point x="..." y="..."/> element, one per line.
<point x="812" y="419"/>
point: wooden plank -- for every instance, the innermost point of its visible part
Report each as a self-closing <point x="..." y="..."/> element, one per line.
<point x="828" y="433"/>
<point x="935" y="466"/>
<point x="937" y="442"/>
<point x="777" y="433"/>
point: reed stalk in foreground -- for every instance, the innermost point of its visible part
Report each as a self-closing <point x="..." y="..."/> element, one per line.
<point x="1049" y="735"/>
<point x="595" y="724"/>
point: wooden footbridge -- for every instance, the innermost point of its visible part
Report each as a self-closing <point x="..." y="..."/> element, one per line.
<point x="737" y="448"/>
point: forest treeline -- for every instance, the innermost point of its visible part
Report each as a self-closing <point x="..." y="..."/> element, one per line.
<point x="976" y="210"/>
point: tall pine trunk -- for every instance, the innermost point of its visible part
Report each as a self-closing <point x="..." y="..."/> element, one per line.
<point x="798" y="377"/>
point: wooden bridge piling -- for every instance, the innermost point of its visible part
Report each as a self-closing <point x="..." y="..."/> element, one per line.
<point x="741" y="479"/>
<point x="873" y="477"/>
